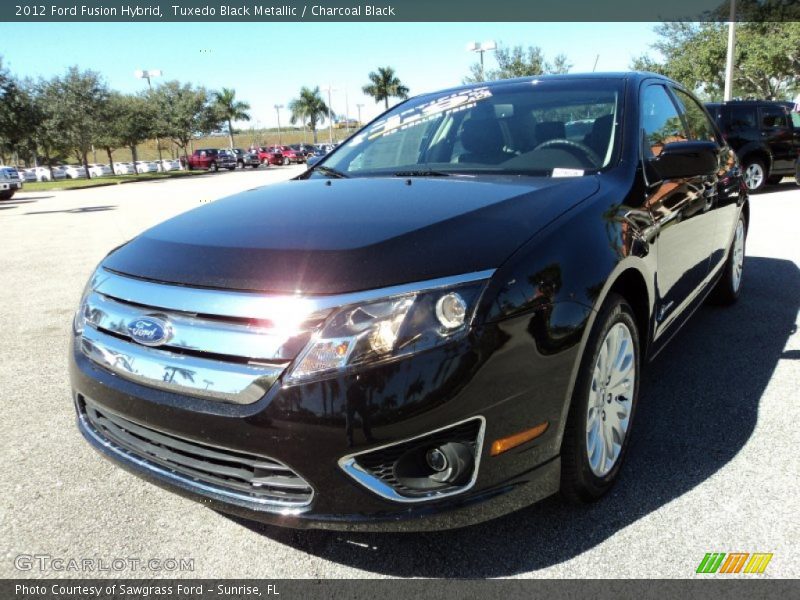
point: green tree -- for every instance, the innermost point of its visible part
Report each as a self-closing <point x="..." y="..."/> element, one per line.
<point x="47" y="141"/>
<point x="308" y="107"/>
<point x="518" y="61"/>
<point x="766" y="60"/>
<point x="231" y="109"/>
<point x="18" y="117"/>
<point x="78" y="110"/>
<point x="129" y="121"/>
<point x="385" y="84"/>
<point x="183" y="112"/>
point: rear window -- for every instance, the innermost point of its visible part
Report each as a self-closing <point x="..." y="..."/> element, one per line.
<point x="774" y="117"/>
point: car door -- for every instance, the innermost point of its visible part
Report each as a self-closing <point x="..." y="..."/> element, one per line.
<point x="722" y="190"/>
<point x="676" y="205"/>
<point x="776" y="130"/>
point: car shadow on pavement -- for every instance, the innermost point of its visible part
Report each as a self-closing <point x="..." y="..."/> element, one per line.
<point x="82" y="209"/>
<point x="698" y="409"/>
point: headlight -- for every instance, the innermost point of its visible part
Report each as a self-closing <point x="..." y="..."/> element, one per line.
<point x="386" y="329"/>
<point x="79" y="321"/>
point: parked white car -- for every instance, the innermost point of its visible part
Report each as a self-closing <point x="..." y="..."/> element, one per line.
<point x="44" y="174"/>
<point x="169" y="164"/>
<point x="124" y="168"/>
<point x="99" y="170"/>
<point x="75" y="171"/>
<point x="146" y="166"/>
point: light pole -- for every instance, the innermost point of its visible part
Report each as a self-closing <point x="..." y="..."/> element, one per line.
<point x="480" y="48"/>
<point x="731" y="47"/>
<point x="330" y="120"/>
<point x="359" y="106"/>
<point x="278" y="108"/>
<point x="147" y="74"/>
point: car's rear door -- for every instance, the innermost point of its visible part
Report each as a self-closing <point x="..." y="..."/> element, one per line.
<point x="776" y="130"/>
<point x="721" y="191"/>
<point x="677" y="206"/>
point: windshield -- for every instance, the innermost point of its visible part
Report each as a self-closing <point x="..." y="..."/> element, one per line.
<point x="541" y="127"/>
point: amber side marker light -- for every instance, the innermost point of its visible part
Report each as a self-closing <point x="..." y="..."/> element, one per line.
<point x="507" y="443"/>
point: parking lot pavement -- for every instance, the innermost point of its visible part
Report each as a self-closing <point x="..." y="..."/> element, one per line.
<point x="713" y="464"/>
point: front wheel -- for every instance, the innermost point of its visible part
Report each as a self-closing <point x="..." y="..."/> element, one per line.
<point x="730" y="284"/>
<point x="7" y="194"/>
<point x="755" y="175"/>
<point x="604" y="400"/>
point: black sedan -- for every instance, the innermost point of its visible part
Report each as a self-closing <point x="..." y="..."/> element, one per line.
<point x="444" y="320"/>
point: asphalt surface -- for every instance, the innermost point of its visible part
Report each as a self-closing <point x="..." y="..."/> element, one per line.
<point x="713" y="465"/>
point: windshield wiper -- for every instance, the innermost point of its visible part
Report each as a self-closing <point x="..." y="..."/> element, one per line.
<point x="421" y="173"/>
<point x="329" y="171"/>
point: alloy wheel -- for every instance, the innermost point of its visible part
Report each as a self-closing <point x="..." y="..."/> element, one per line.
<point x="754" y="176"/>
<point x="610" y="400"/>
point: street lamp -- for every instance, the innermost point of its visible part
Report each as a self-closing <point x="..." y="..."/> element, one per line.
<point x="278" y="108"/>
<point x="330" y="89"/>
<point x="147" y="74"/>
<point x="359" y="107"/>
<point x="480" y="48"/>
<point x="728" y="94"/>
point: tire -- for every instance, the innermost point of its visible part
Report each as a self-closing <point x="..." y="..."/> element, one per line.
<point x="729" y="285"/>
<point x="774" y="179"/>
<point x="755" y="175"/>
<point x="239" y="165"/>
<point x="213" y="167"/>
<point x="7" y="194"/>
<point x="588" y="470"/>
<point x="285" y="161"/>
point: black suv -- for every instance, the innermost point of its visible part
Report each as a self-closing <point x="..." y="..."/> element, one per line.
<point x="765" y="136"/>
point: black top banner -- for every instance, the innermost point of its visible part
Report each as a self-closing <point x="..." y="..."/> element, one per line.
<point x="397" y="10"/>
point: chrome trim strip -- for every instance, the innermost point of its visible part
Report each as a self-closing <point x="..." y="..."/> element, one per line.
<point x="88" y="429"/>
<point x="198" y="334"/>
<point x="350" y="466"/>
<point x="212" y="379"/>
<point x="255" y="305"/>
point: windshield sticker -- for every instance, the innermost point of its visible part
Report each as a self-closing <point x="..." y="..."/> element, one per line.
<point x="561" y="172"/>
<point x="422" y="113"/>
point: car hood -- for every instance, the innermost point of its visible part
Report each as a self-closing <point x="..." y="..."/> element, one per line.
<point x="329" y="236"/>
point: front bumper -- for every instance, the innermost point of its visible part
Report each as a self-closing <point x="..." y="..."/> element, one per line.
<point x="10" y="185"/>
<point x="310" y="428"/>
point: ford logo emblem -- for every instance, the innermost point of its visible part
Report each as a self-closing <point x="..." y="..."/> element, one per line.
<point x="149" y="331"/>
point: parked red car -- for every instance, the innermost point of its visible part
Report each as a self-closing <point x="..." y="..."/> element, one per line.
<point x="270" y="156"/>
<point x="290" y="156"/>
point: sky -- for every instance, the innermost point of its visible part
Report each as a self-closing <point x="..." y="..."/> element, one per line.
<point x="267" y="63"/>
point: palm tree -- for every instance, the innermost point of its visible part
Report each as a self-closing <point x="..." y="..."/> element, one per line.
<point x="231" y="109"/>
<point x="385" y="85"/>
<point x="309" y="106"/>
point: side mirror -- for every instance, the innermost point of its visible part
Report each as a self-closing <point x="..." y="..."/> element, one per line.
<point x="679" y="160"/>
<point x="312" y="160"/>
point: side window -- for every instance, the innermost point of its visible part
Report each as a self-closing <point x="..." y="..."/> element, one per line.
<point x="742" y="117"/>
<point x="661" y="123"/>
<point x="774" y="117"/>
<point x="700" y="127"/>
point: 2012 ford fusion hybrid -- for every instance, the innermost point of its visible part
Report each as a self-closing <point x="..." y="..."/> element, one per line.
<point x="442" y="321"/>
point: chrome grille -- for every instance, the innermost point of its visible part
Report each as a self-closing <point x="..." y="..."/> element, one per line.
<point x="222" y="345"/>
<point x="248" y="476"/>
